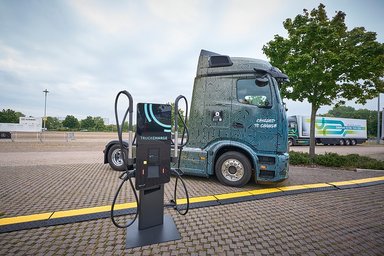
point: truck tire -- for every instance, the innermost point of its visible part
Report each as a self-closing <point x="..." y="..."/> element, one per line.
<point x="233" y="169"/>
<point x="347" y="142"/>
<point x="341" y="142"/>
<point x="353" y="142"/>
<point x="290" y="142"/>
<point x="114" y="158"/>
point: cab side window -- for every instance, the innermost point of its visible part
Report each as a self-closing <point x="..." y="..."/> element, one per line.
<point x="292" y="125"/>
<point x="255" y="92"/>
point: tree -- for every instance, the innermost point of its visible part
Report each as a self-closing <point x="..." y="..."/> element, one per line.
<point x="342" y="111"/>
<point x="180" y="124"/>
<point x="371" y="117"/>
<point x="71" y="122"/>
<point x="87" y="123"/>
<point x="10" y="116"/>
<point x="53" y="123"/>
<point x="326" y="63"/>
<point x="99" y="124"/>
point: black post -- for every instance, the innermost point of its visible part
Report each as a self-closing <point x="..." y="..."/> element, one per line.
<point x="151" y="207"/>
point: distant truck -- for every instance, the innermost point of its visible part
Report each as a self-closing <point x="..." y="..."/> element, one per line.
<point x="237" y="124"/>
<point x="328" y="130"/>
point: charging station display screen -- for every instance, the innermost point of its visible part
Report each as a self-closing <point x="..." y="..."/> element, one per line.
<point x="153" y="145"/>
<point x="153" y="171"/>
<point x="153" y="118"/>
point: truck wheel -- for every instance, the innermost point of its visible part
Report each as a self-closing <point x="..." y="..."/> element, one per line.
<point x="353" y="142"/>
<point x="114" y="158"/>
<point x="290" y="142"/>
<point x="233" y="169"/>
<point x="347" y="142"/>
<point x="341" y="142"/>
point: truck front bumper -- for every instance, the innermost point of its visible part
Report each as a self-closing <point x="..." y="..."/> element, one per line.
<point x="268" y="173"/>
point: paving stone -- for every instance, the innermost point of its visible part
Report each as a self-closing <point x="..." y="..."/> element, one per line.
<point x="329" y="222"/>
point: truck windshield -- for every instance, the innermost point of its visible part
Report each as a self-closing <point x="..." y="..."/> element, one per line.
<point x="255" y="92"/>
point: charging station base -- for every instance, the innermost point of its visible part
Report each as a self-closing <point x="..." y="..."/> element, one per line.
<point x="153" y="235"/>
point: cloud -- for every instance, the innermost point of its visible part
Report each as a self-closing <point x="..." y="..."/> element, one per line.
<point x="242" y="19"/>
<point x="14" y="61"/>
<point x="111" y="19"/>
<point x="84" y="52"/>
<point x="177" y="12"/>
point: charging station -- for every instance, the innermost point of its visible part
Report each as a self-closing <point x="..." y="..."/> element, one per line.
<point x="153" y="169"/>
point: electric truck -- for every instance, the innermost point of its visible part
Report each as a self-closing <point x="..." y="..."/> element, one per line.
<point x="238" y="128"/>
<point x="328" y="130"/>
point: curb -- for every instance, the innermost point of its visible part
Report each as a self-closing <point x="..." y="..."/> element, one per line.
<point x="18" y="223"/>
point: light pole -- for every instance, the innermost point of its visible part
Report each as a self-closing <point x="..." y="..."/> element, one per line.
<point x="382" y="124"/>
<point x="45" y="109"/>
<point x="378" y="119"/>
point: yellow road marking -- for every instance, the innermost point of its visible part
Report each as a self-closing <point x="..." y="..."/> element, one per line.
<point x="124" y="206"/>
<point x="343" y="183"/>
<point x="83" y="211"/>
<point x="25" y="218"/>
<point x="264" y="191"/>
<point x="369" y="180"/>
<point x="196" y="199"/>
<point x="291" y="188"/>
<point x="317" y="185"/>
<point x="76" y="212"/>
<point x="359" y="181"/>
<point x="232" y="195"/>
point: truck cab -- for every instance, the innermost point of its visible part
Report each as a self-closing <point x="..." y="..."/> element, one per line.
<point x="295" y="129"/>
<point x="237" y="123"/>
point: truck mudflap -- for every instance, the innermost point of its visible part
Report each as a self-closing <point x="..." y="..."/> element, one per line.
<point x="272" y="168"/>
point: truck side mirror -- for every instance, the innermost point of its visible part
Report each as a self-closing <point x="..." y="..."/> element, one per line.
<point x="261" y="81"/>
<point x="285" y="106"/>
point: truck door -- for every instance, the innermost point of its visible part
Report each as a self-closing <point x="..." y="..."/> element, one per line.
<point x="217" y="98"/>
<point x="254" y="118"/>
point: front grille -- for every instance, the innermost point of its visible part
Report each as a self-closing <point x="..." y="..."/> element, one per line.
<point x="268" y="174"/>
<point x="266" y="160"/>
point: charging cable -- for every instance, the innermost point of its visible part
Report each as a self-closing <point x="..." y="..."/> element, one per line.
<point x="177" y="171"/>
<point x="128" y="161"/>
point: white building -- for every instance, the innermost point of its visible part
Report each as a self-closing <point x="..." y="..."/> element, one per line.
<point x="26" y="124"/>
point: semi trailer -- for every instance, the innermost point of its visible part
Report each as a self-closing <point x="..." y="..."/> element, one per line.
<point x="237" y="125"/>
<point x="328" y="130"/>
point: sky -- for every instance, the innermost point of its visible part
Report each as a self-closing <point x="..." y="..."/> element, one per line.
<point x="85" y="52"/>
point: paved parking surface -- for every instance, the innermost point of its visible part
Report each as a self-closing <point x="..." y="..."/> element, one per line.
<point x="345" y="222"/>
<point x="339" y="222"/>
<point x="36" y="189"/>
